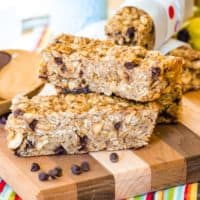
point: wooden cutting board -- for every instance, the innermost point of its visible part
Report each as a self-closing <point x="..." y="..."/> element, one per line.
<point x="172" y="158"/>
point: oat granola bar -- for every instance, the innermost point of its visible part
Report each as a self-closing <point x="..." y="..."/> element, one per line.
<point x="79" y="64"/>
<point x="76" y="124"/>
<point x="131" y="26"/>
<point x="191" y="67"/>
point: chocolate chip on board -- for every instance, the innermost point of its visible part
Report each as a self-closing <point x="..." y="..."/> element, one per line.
<point x="56" y="172"/>
<point x="35" y="167"/>
<point x="2" y="120"/>
<point x="76" y="170"/>
<point x="85" y="167"/>
<point x="5" y="58"/>
<point x="43" y="176"/>
<point x="114" y="157"/>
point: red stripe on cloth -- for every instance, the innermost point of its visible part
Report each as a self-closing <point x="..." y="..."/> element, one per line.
<point x="2" y="185"/>
<point x="150" y="196"/>
<point x="186" y="192"/>
<point x="17" y="197"/>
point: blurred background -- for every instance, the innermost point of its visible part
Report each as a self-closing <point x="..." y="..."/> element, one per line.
<point x="30" y="24"/>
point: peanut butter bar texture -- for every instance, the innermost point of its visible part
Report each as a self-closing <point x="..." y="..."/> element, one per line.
<point x="76" y="124"/>
<point x="191" y="67"/>
<point x="75" y="64"/>
<point x="131" y="26"/>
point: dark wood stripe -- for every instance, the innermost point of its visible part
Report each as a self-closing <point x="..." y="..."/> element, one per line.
<point x="198" y="192"/>
<point x="186" y="143"/>
<point x="168" y="167"/>
<point x="96" y="184"/>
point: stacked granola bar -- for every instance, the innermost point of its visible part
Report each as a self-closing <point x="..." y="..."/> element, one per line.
<point x="79" y="65"/>
<point x="191" y="67"/>
<point x="131" y="26"/>
<point x="76" y="124"/>
<point x="109" y="98"/>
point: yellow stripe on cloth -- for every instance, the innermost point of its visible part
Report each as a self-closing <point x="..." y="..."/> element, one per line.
<point x="193" y="191"/>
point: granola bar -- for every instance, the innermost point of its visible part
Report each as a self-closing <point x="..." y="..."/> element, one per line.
<point x="191" y="67"/>
<point x="79" y="65"/>
<point x="73" y="63"/>
<point x="76" y="124"/>
<point x="131" y="26"/>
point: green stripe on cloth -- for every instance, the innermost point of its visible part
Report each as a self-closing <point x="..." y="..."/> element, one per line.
<point x="171" y="194"/>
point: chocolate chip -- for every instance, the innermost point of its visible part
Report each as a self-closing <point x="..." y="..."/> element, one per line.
<point x="81" y="73"/>
<point x="114" y="157"/>
<point x="130" y="33"/>
<point x="18" y="112"/>
<point x="146" y="46"/>
<point x="130" y="65"/>
<point x="141" y="56"/>
<point x="2" y="120"/>
<point x="66" y="91"/>
<point x="29" y="144"/>
<point x="5" y="58"/>
<point x="177" y="100"/>
<point x="117" y="125"/>
<point x="33" y="124"/>
<point x="43" y="77"/>
<point x="58" y="42"/>
<point x="35" y="167"/>
<point x="56" y="172"/>
<point x="43" y="176"/>
<point x="58" y="60"/>
<point x="63" y="69"/>
<point x="75" y="169"/>
<point x="17" y="153"/>
<point x="60" y="150"/>
<point x="155" y="73"/>
<point x="83" y="142"/>
<point x="84" y="90"/>
<point x="83" y="81"/>
<point x="85" y="166"/>
<point x="183" y="35"/>
<point x="117" y="33"/>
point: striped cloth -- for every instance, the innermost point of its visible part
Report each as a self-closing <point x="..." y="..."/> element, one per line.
<point x="184" y="192"/>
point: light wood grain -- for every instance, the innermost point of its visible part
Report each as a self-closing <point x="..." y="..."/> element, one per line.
<point x="130" y="170"/>
<point x="168" y="167"/>
<point x="190" y="116"/>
